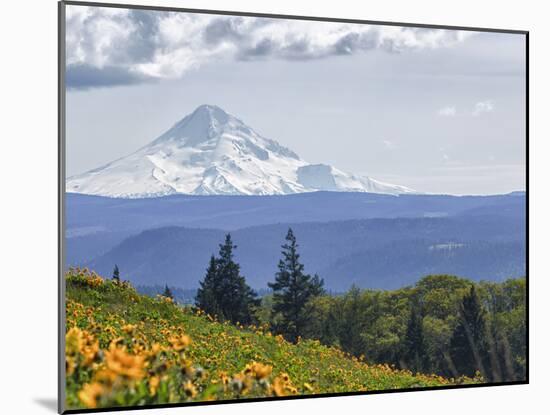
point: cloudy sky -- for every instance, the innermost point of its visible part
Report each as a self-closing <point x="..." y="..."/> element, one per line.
<point x="437" y="110"/>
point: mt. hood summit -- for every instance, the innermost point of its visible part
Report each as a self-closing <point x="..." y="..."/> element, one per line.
<point x="210" y="152"/>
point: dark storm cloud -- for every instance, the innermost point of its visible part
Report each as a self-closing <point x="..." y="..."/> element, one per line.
<point x="86" y="76"/>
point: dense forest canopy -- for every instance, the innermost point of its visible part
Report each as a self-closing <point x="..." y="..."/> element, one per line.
<point x="419" y="327"/>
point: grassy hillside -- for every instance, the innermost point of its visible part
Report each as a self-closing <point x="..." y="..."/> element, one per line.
<point x="123" y="348"/>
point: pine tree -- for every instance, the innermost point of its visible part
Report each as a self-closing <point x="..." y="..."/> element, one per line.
<point x="208" y="291"/>
<point x="116" y="274"/>
<point x="414" y="352"/>
<point x="292" y="290"/>
<point x="224" y="292"/>
<point x="168" y="292"/>
<point x="468" y="349"/>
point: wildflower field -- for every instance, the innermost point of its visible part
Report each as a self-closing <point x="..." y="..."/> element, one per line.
<point x="126" y="349"/>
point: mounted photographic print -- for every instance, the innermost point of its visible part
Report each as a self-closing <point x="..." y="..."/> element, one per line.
<point x="258" y="207"/>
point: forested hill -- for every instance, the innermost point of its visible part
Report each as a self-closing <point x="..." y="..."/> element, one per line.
<point x="124" y="349"/>
<point x="370" y="253"/>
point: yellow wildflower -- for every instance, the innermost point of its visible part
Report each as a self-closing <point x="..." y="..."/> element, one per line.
<point x="90" y="394"/>
<point x="73" y="341"/>
<point x="189" y="389"/>
<point x="155" y="349"/>
<point x="278" y="387"/>
<point x="241" y="383"/>
<point x="154" y="382"/>
<point x="260" y="370"/>
<point x="129" y="328"/>
<point x="224" y="378"/>
<point x="123" y="363"/>
<point x="180" y="343"/>
<point x="89" y="348"/>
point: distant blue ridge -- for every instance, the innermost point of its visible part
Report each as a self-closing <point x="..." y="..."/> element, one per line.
<point x="371" y="240"/>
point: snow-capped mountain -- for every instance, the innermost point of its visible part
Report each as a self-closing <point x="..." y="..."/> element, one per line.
<point x="211" y="152"/>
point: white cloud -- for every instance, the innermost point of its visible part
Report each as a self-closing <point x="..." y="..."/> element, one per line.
<point x="483" y="107"/>
<point x="447" y="112"/>
<point x="152" y="44"/>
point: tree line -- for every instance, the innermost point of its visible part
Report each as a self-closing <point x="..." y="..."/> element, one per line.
<point x="443" y="324"/>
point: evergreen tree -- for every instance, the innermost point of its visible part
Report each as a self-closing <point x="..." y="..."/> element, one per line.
<point x="208" y="292"/>
<point x="224" y="292"/>
<point x="292" y="290"/>
<point x="168" y="292"/>
<point x="468" y="349"/>
<point x="116" y="274"/>
<point x="414" y="351"/>
<point x="351" y="322"/>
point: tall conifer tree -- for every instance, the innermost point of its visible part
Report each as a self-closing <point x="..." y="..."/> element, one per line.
<point x="224" y="291"/>
<point x="414" y="352"/>
<point x="292" y="290"/>
<point x="116" y="274"/>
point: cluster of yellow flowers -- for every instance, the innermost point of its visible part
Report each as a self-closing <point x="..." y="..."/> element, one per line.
<point x="119" y="369"/>
<point x="111" y="362"/>
<point x="123" y="349"/>
<point x="81" y="348"/>
<point x="116" y="371"/>
<point x="87" y="277"/>
<point x="91" y="278"/>
<point x="254" y="379"/>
